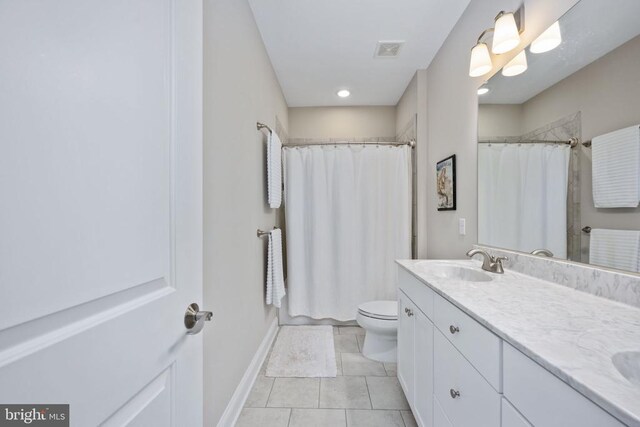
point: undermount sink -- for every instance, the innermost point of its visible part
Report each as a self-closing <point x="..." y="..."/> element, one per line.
<point x="628" y="364"/>
<point x="454" y="272"/>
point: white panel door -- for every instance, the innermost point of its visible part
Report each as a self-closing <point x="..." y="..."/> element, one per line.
<point x="406" y="343"/>
<point x="101" y="208"/>
<point x="423" y="370"/>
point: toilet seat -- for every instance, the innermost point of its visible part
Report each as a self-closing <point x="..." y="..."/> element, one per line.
<point x="381" y="310"/>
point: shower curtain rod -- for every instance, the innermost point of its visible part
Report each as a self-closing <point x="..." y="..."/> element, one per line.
<point x="411" y="143"/>
<point x="573" y="142"/>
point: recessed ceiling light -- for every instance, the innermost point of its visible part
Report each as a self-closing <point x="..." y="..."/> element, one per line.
<point x="482" y="90"/>
<point x="343" y="93"/>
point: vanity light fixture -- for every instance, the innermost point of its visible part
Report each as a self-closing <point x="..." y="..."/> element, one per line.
<point x="480" y="60"/>
<point x="483" y="89"/>
<point x="343" y="93"/>
<point x="549" y="40"/>
<point x="517" y="65"/>
<point x="506" y="37"/>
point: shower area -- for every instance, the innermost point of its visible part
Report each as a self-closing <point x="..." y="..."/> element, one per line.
<point x="347" y="214"/>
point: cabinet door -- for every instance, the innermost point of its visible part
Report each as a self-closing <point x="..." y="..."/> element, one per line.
<point x="423" y="370"/>
<point x="406" y="327"/>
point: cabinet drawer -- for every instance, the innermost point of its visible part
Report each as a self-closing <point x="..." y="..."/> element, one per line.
<point x="511" y="417"/>
<point x="544" y="399"/>
<point x="418" y="292"/>
<point x="477" y="404"/>
<point x="481" y="347"/>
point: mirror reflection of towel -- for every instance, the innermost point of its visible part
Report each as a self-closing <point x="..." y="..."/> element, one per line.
<point x="615" y="248"/>
<point x="616" y="169"/>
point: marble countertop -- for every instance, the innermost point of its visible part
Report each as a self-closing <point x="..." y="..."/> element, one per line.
<point x="570" y="333"/>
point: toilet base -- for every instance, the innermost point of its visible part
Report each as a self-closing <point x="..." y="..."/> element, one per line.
<point x="381" y="348"/>
<point x="380" y="340"/>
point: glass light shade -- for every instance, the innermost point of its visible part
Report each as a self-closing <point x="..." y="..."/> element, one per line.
<point x="480" y="60"/>
<point x="548" y="40"/>
<point x="517" y="65"/>
<point x="482" y="90"/>
<point x="343" y="93"/>
<point x="505" y="35"/>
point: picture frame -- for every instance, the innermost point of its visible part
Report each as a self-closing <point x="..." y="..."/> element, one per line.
<point x="446" y="183"/>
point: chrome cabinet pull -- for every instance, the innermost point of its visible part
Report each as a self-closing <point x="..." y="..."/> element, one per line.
<point x="454" y="329"/>
<point x="194" y="319"/>
<point x="454" y="393"/>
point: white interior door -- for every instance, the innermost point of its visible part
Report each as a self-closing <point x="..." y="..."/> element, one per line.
<point x="101" y="208"/>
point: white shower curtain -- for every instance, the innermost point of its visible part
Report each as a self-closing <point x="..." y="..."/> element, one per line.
<point x="348" y="216"/>
<point x="522" y="196"/>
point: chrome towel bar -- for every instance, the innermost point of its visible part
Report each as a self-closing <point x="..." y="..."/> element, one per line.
<point x="262" y="233"/>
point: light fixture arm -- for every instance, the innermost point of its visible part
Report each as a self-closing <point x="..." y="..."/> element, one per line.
<point x="484" y="33"/>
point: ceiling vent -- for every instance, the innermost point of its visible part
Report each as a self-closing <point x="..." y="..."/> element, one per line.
<point x="388" y="49"/>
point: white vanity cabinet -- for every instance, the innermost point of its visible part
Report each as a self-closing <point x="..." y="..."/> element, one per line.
<point x="457" y="373"/>
<point x="415" y="350"/>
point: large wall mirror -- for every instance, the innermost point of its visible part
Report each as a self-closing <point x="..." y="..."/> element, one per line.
<point x="559" y="144"/>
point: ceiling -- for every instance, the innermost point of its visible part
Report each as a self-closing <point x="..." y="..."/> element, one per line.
<point x="318" y="47"/>
<point x="590" y="30"/>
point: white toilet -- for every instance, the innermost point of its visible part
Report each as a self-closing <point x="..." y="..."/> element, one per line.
<point x="380" y="321"/>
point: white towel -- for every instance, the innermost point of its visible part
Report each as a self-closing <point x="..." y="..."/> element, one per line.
<point x="275" y="275"/>
<point x="616" y="169"/>
<point x="274" y="170"/>
<point x="615" y="248"/>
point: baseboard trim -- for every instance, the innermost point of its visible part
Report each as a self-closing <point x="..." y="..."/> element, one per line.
<point x="235" y="405"/>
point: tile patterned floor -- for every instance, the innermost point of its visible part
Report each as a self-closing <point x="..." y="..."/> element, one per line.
<point x="364" y="394"/>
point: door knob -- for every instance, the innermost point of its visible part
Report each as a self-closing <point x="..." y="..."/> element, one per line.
<point x="194" y="319"/>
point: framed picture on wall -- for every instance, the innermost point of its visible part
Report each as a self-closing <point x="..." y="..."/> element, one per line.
<point x="446" y="183"/>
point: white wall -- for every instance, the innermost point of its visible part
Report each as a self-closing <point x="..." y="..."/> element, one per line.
<point x="452" y="114"/>
<point x="240" y="89"/>
<point x="342" y="122"/>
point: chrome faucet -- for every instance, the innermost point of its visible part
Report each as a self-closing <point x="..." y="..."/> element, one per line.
<point x="545" y="252"/>
<point x="490" y="263"/>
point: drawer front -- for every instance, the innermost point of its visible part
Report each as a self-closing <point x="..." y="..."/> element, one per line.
<point x="477" y="404"/>
<point x="544" y="399"/>
<point x="511" y="417"/>
<point x="480" y="346"/>
<point x="420" y="294"/>
<point x="439" y="418"/>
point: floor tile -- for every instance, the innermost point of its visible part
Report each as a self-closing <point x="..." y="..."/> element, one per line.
<point x="346" y="343"/>
<point x="344" y="392"/>
<point x="392" y="369"/>
<point x="351" y="330"/>
<point x="294" y="393"/>
<point x="357" y="364"/>
<point x="339" y="364"/>
<point x="409" y="420"/>
<point x="318" y="418"/>
<point x="259" y="393"/>
<point x="360" y="418"/>
<point x="264" y="417"/>
<point x="386" y="393"/>
<point x="360" y="342"/>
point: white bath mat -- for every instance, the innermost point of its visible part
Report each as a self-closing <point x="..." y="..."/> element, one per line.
<point x="303" y="352"/>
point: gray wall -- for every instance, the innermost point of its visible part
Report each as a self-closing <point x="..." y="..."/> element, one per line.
<point x="342" y="122"/>
<point x="452" y="114"/>
<point x="412" y="104"/>
<point x="240" y="89"/>
<point x="499" y="120"/>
